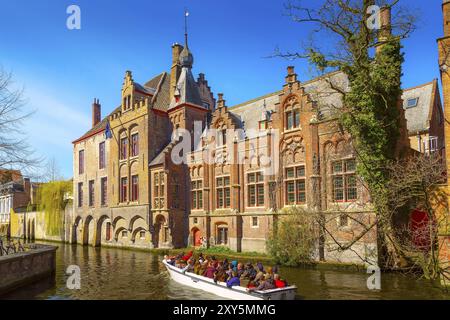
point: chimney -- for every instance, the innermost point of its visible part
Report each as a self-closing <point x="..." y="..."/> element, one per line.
<point x="220" y="101"/>
<point x="27" y="186"/>
<point x="385" y="27"/>
<point x="292" y="76"/>
<point x="96" y="112"/>
<point x="446" y="12"/>
<point x="176" y="67"/>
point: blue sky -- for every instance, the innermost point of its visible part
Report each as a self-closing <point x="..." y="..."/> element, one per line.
<point x="63" y="70"/>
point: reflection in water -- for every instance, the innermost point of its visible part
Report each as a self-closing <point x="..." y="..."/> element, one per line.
<point x="108" y="273"/>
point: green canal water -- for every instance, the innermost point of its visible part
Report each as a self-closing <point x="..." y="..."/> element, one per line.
<point x="108" y="273"/>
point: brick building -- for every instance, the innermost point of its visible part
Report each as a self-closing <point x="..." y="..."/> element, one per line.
<point x="172" y="167"/>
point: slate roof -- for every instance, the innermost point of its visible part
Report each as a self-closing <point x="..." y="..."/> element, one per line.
<point x="419" y="117"/>
<point x="327" y="99"/>
<point x="187" y="89"/>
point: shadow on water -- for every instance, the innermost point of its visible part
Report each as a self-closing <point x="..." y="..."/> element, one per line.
<point x="108" y="273"/>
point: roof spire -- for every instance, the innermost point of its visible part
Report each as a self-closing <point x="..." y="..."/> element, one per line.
<point x="186" y="15"/>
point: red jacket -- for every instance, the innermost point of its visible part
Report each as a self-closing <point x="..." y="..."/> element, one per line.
<point x="279" y="284"/>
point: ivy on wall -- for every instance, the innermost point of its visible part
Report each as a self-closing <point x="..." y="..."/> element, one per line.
<point x="51" y="199"/>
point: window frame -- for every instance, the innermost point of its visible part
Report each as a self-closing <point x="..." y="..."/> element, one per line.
<point x="124" y="190"/>
<point x="91" y="190"/>
<point x="223" y="192"/>
<point x="258" y="181"/>
<point x="197" y="194"/>
<point x="135" y="144"/>
<point x="102" y="155"/>
<point x="80" y="194"/>
<point x="294" y="180"/>
<point x="81" y="161"/>
<point x="104" y="191"/>
<point x="344" y="175"/>
<point x="123" y="150"/>
<point x="134" y="188"/>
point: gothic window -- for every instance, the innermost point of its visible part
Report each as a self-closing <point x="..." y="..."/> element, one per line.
<point x="104" y="191"/>
<point x="91" y="193"/>
<point x="223" y="193"/>
<point x="158" y="190"/>
<point x="135" y="145"/>
<point x="135" y="188"/>
<point x="123" y="148"/>
<point x="344" y="181"/>
<point x="124" y="190"/>
<point x="81" y="162"/>
<point x="80" y="194"/>
<point x="197" y="195"/>
<point x="255" y="189"/>
<point x="295" y="185"/>
<point x="102" y="156"/>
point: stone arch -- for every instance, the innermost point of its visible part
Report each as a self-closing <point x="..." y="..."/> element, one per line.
<point x="196" y="236"/>
<point x="118" y="232"/>
<point x="161" y="231"/>
<point x="135" y="232"/>
<point x="221" y="233"/>
<point x="88" y="230"/>
<point x="133" y="220"/>
<point x="76" y="232"/>
<point x="116" y="220"/>
<point x="102" y="230"/>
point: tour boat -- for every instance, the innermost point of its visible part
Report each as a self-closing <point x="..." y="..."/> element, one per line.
<point x="220" y="288"/>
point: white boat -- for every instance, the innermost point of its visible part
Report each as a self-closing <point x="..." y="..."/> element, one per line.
<point x="220" y="288"/>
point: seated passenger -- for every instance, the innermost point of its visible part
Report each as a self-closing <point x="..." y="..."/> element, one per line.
<point x="225" y="264"/>
<point x="220" y="275"/>
<point x="234" y="281"/>
<point x="266" y="284"/>
<point x="188" y="256"/>
<point x="278" y="282"/>
<point x="210" y="270"/>
<point x="201" y="259"/>
<point x="249" y="272"/>
<point x="190" y="266"/>
<point x="229" y="272"/>
<point x="259" y="274"/>
<point x="240" y="269"/>
<point x="251" y="284"/>
<point x="234" y="265"/>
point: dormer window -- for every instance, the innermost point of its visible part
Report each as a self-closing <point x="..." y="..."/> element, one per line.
<point x="411" y="103"/>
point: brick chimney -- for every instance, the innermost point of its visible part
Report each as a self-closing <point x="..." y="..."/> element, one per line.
<point x="291" y="76"/>
<point x="96" y="112"/>
<point x="27" y="186"/>
<point x="385" y="27"/>
<point x="176" y="67"/>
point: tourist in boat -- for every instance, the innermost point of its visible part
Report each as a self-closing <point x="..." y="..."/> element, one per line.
<point x="191" y="265"/>
<point x="249" y="272"/>
<point x="229" y="272"/>
<point x="260" y="273"/>
<point x="225" y="264"/>
<point x="266" y="284"/>
<point x="188" y="256"/>
<point x="234" y="263"/>
<point x="234" y="281"/>
<point x="278" y="282"/>
<point x="240" y="269"/>
<point x="220" y="275"/>
<point x="201" y="259"/>
<point x="210" y="270"/>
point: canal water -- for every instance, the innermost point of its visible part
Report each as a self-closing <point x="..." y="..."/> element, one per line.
<point x="108" y="273"/>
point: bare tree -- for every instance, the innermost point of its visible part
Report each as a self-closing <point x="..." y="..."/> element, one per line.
<point x="15" y="152"/>
<point x="52" y="171"/>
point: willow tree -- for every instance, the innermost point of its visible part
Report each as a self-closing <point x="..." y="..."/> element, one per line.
<point x="52" y="199"/>
<point x="364" y="42"/>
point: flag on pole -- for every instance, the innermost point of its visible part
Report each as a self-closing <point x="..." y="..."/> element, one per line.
<point x="108" y="133"/>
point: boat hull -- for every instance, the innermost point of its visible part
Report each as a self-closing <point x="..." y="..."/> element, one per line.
<point x="220" y="289"/>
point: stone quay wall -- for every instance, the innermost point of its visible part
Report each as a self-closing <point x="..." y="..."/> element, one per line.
<point x="21" y="269"/>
